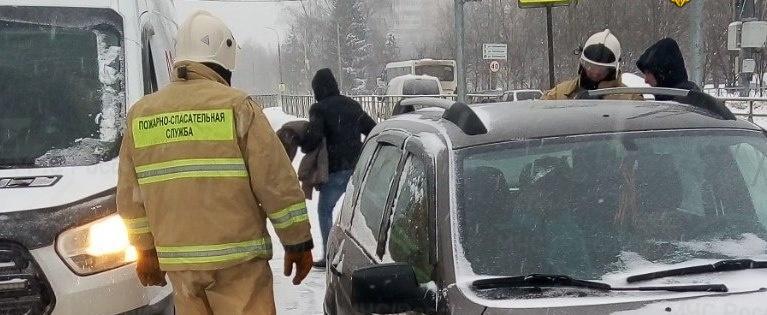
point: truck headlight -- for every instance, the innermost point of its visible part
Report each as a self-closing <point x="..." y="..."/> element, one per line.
<point x="97" y="246"/>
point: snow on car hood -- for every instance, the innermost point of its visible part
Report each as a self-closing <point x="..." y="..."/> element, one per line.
<point x="718" y="304"/>
<point x="76" y="183"/>
<point x="747" y="288"/>
<point x="746" y="282"/>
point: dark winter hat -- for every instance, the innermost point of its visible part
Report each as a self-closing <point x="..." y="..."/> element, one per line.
<point x="599" y="53"/>
<point x="324" y="84"/>
<point x="665" y="61"/>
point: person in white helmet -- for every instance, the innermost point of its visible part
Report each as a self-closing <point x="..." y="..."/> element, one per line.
<point x="599" y="68"/>
<point x="201" y="171"/>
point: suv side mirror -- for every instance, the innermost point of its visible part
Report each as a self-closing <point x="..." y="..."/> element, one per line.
<point x="389" y="289"/>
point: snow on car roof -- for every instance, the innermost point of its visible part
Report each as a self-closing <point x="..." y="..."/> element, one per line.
<point x="543" y="119"/>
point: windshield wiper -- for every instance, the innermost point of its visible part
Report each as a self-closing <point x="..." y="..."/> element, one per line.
<point x="724" y="265"/>
<point x="539" y="280"/>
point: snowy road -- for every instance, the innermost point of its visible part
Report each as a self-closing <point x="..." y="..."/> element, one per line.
<point x="305" y="299"/>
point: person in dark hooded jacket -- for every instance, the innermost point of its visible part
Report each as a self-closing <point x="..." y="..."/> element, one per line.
<point x="663" y="66"/>
<point x="342" y="122"/>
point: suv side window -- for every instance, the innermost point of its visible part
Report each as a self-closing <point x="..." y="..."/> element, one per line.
<point x="356" y="180"/>
<point x="369" y="210"/>
<point x="409" y="238"/>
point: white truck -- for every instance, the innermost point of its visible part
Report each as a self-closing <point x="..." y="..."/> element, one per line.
<point x="69" y="71"/>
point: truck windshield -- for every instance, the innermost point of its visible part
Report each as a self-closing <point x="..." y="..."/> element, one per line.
<point x="62" y="88"/>
<point x="596" y="205"/>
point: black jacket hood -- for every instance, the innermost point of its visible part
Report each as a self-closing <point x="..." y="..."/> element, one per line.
<point x="665" y="61"/>
<point x="324" y="85"/>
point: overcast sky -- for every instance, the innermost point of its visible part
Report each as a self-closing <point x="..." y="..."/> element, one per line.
<point x="247" y="20"/>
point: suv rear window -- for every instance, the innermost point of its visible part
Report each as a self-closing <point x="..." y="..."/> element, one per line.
<point x="421" y="87"/>
<point x="595" y="205"/>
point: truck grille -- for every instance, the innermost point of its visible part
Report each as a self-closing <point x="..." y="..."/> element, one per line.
<point x="23" y="288"/>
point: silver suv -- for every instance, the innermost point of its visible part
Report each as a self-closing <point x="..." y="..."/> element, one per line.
<point x="555" y="207"/>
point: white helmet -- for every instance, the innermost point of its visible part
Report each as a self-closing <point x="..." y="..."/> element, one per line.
<point x="205" y="38"/>
<point x="602" y="49"/>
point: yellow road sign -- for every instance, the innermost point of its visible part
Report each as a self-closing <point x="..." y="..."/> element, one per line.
<point x="680" y="3"/>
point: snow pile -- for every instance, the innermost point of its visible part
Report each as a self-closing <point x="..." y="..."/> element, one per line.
<point x="633" y="80"/>
<point x="277" y="117"/>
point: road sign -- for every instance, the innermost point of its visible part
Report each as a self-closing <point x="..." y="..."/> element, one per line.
<point x="542" y="3"/>
<point x="494" y="51"/>
<point x="495" y="66"/>
<point x="749" y="66"/>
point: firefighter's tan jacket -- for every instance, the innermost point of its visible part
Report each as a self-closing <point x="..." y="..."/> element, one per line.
<point x="570" y="89"/>
<point x="201" y="170"/>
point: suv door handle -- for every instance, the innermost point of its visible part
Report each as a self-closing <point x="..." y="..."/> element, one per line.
<point x="335" y="270"/>
<point x="336" y="265"/>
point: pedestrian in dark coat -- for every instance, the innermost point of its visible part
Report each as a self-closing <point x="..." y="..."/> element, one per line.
<point x="663" y="66"/>
<point x="341" y="121"/>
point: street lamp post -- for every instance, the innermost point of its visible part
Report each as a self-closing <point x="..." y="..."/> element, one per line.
<point x="279" y="63"/>
<point x="459" y="53"/>
<point x="459" y="62"/>
<point x="279" y="51"/>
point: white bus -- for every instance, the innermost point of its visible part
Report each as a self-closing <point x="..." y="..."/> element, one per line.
<point x="444" y="70"/>
<point x="71" y="70"/>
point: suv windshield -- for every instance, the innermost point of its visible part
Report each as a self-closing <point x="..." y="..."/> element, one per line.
<point x="590" y="206"/>
<point x="62" y="86"/>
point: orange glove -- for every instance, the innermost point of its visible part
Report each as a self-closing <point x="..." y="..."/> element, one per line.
<point x="303" y="261"/>
<point x="148" y="269"/>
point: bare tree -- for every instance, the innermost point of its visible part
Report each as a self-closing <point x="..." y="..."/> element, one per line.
<point x="637" y="24"/>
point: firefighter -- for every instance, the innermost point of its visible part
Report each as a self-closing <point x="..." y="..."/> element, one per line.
<point x="599" y="68"/>
<point x="201" y="171"/>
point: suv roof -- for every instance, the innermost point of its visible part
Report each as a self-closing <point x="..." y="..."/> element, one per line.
<point x="542" y="119"/>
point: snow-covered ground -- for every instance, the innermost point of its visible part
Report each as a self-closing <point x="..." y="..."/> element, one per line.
<point x="306" y="298"/>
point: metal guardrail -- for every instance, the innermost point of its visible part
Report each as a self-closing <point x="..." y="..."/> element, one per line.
<point x="267" y="100"/>
<point x="380" y="107"/>
<point x="746" y="107"/>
